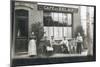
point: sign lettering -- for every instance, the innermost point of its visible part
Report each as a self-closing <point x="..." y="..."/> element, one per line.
<point x="57" y="9"/>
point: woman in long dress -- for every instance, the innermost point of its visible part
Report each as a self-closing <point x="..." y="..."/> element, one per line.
<point x="32" y="46"/>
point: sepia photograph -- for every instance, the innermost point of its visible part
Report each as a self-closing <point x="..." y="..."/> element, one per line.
<point x="46" y="33"/>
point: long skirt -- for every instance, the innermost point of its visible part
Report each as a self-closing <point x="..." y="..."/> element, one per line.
<point x="32" y="47"/>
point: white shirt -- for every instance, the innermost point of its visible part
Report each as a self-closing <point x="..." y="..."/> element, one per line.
<point x="52" y="42"/>
<point x="64" y="42"/>
<point x="79" y="38"/>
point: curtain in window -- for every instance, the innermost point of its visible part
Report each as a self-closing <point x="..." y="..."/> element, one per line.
<point x="58" y="25"/>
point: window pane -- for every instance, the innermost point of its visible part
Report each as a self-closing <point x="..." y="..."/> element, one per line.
<point x="55" y="19"/>
<point x="51" y="31"/>
<point x="60" y="17"/>
<point x="69" y="22"/>
<point x="48" y="21"/>
<point x="55" y="16"/>
<point x="60" y="33"/>
<point x="67" y="19"/>
<point x="56" y="33"/>
<point x="46" y="31"/>
<point x="60" y="20"/>
<point x="65" y="31"/>
<point x="68" y="32"/>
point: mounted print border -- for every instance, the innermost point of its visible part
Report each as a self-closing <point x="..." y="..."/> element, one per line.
<point x="52" y="33"/>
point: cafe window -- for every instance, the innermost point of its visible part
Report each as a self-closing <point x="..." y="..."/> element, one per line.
<point x="58" y="24"/>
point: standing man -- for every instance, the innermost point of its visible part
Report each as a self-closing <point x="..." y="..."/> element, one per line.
<point x="79" y="40"/>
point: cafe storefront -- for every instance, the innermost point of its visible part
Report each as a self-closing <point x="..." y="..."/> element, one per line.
<point x="57" y="20"/>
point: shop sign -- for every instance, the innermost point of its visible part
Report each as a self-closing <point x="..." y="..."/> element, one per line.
<point x="57" y="9"/>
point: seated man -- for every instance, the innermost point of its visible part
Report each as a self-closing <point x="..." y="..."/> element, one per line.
<point x="43" y="46"/>
<point x="52" y="41"/>
<point x="65" y="45"/>
<point x="48" y="49"/>
<point x="73" y="45"/>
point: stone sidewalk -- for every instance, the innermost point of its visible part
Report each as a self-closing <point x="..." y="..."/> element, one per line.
<point x="25" y="55"/>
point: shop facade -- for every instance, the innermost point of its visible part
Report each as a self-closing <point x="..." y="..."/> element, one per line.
<point x="57" y="21"/>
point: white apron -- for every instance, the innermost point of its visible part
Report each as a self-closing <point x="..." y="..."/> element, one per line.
<point x="32" y="47"/>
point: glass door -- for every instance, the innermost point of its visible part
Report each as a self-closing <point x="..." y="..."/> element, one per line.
<point x="21" y="31"/>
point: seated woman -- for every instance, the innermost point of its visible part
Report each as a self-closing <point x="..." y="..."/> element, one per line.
<point x="65" y="45"/>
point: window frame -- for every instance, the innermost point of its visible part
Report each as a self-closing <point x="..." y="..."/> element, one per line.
<point x="61" y="26"/>
<point x="20" y="39"/>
